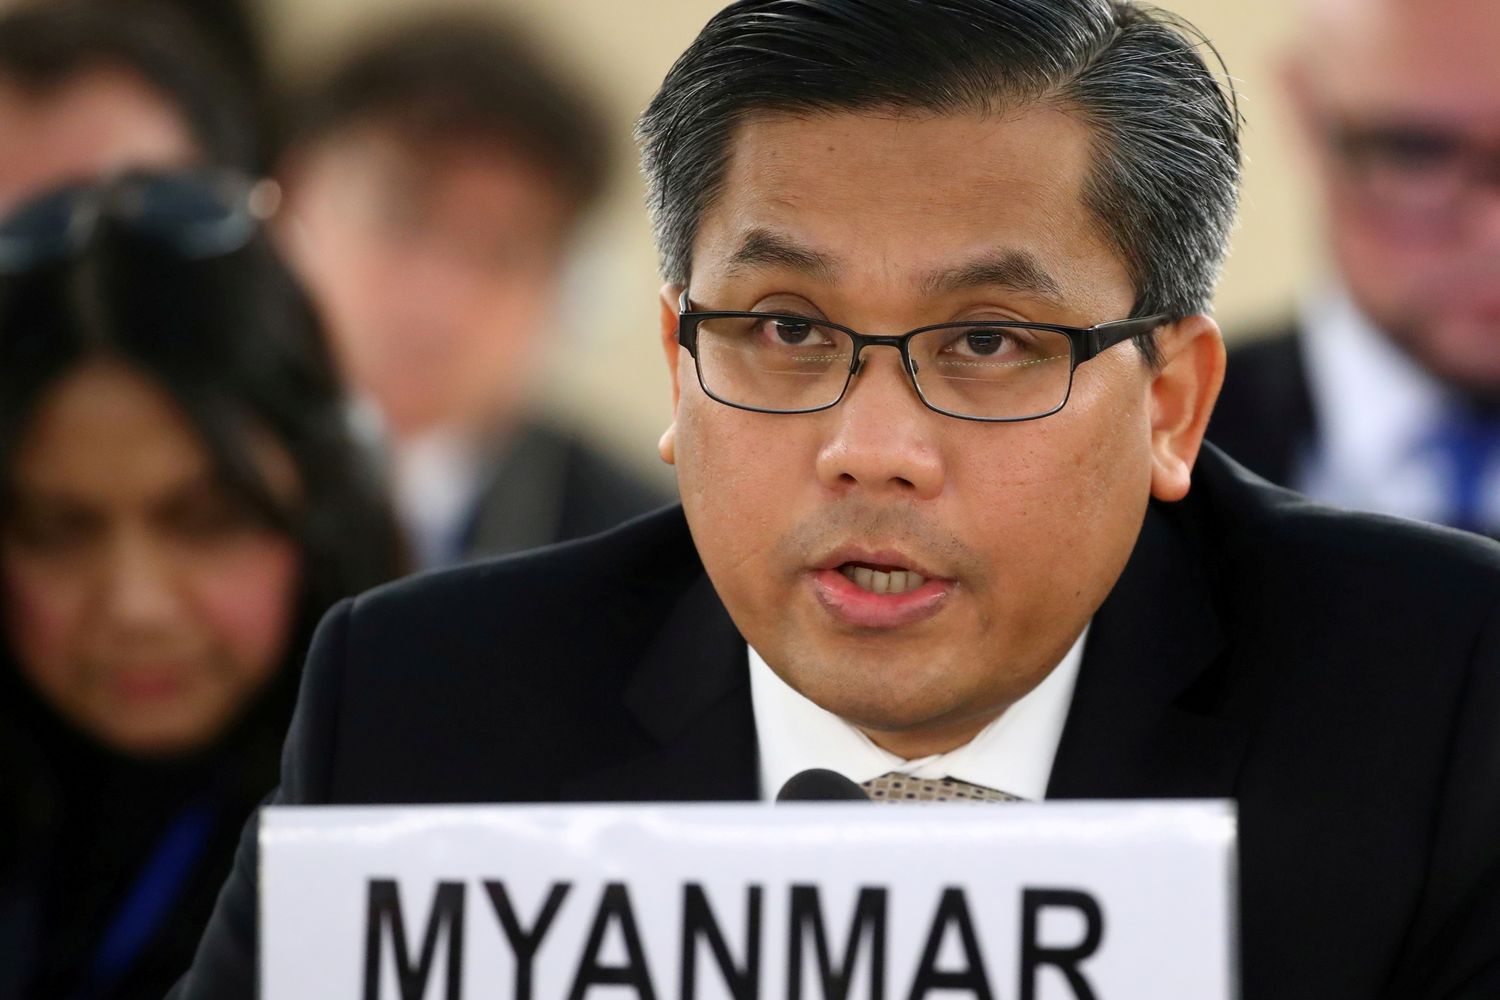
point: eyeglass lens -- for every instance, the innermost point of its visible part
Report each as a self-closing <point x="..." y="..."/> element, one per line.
<point x="788" y="364"/>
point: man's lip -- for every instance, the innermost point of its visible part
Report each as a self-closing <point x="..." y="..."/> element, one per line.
<point x="876" y="559"/>
<point x="856" y="607"/>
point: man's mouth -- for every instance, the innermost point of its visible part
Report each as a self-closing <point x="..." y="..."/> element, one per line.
<point x="878" y="589"/>
<point x="882" y="579"/>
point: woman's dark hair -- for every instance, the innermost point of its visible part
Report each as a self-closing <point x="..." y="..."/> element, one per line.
<point x="1165" y="174"/>
<point x="233" y="340"/>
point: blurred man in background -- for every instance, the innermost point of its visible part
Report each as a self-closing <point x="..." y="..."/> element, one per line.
<point x="434" y="184"/>
<point x="1385" y="393"/>
<point x="91" y="89"/>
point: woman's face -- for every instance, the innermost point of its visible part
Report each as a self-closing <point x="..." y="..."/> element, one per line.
<point x="143" y="601"/>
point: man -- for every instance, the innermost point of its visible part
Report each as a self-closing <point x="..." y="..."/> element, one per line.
<point x="433" y="187"/>
<point x="937" y="554"/>
<point x="1385" y="393"/>
<point x="90" y="89"/>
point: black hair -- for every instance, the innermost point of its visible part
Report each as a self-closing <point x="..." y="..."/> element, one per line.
<point x="468" y="77"/>
<point x="1164" y="181"/>
<point x="47" y="45"/>
<point x="236" y="344"/>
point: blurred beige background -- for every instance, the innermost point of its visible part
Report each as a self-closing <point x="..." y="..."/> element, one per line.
<point x="626" y="46"/>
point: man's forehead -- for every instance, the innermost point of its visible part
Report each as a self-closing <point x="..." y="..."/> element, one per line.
<point x="1017" y="269"/>
<point x="1431" y="58"/>
<point x="934" y="202"/>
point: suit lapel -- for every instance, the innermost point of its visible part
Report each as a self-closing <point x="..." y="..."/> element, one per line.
<point x="691" y="696"/>
<point x="1138" y="726"/>
<point x="1141" y="724"/>
<point x="522" y="505"/>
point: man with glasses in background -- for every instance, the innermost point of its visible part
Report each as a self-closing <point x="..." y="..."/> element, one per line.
<point x="1385" y="393"/>
<point x="936" y="281"/>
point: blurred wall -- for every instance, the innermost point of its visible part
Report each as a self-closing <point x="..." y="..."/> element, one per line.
<point x="626" y="46"/>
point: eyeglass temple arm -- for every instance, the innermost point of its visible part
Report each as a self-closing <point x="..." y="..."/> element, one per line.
<point x="1106" y="335"/>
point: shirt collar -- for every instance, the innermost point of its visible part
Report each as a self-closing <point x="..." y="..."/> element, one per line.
<point x="1014" y="753"/>
<point x="436" y="480"/>
<point x="1352" y="365"/>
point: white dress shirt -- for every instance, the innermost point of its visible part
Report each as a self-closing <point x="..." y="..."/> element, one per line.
<point x="436" y="480"/>
<point x="1014" y="753"/>
<point x="1377" y="413"/>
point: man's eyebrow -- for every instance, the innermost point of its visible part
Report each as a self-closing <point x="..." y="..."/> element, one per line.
<point x="765" y="248"/>
<point x="1017" y="270"/>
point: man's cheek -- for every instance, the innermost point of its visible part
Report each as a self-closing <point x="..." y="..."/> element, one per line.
<point x="722" y="474"/>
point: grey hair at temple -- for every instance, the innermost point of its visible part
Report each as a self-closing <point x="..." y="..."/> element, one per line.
<point x="1165" y="180"/>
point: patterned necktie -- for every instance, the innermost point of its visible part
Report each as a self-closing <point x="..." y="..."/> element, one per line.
<point x="896" y="787"/>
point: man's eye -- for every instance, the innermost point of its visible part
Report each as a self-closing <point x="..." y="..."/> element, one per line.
<point x="791" y="331"/>
<point x="983" y="342"/>
<point x="1412" y="151"/>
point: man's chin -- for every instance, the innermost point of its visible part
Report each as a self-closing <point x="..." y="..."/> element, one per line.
<point x="911" y="735"/>
<point x="1464" y="354"/>
<point x="910" y="720"/>
<point x="1473" y="374"/>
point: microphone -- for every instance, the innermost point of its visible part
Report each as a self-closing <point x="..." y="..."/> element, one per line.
<point x="820" y="785"/>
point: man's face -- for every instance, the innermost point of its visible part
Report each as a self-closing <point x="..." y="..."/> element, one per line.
<point x="1413" y="190"/>
<point x="885" y="224"/>
<point x="97" y="123"/>
<point x="437" y="263"/>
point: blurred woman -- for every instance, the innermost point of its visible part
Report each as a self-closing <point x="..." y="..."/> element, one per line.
<point x="179" y="504"/>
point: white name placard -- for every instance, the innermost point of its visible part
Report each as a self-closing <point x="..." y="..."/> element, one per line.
<point x="807" y="901"/>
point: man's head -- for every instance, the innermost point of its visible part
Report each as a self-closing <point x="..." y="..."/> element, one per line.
<point x="1400" y="100"/>
<point x="90" y="89"/>
<point x="434" y="183"/>
<point x="890" y="164"/>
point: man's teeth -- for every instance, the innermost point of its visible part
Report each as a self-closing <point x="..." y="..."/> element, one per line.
<point x="898" y="581"/>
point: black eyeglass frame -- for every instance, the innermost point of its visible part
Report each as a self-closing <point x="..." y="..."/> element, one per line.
<point x="1085" y="344"/>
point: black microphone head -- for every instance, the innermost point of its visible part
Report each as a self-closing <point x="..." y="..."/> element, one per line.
<point x="820" y="785"/>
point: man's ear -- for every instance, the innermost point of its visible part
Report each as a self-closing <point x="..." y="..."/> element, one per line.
<point x="1183" y="392"/>
<point x="670" y="293"/>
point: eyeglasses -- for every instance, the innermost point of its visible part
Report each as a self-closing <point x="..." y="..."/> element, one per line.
<point x="988" y="371"/>
<point x="1422" y="172"/>
<point x="200" y="214"/>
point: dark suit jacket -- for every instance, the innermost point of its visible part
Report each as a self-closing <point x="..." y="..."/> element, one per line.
<point x="1265" y="415"/>
<point x="1338" y="674"/>
<point x="551" y="485"/>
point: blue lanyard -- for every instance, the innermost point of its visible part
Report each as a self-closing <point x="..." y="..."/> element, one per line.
<point x="151" y="896"/>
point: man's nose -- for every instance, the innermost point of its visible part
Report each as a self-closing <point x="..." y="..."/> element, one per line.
<point x="882" y="438"/>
